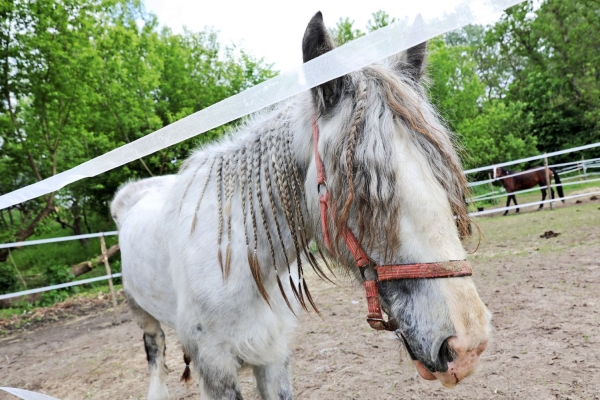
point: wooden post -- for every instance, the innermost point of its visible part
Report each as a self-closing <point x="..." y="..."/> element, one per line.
<point x="584" y="168"/>
<point x="110" y="282"/>
<point x="548" y="189"/>
<point x="494" y="201"/>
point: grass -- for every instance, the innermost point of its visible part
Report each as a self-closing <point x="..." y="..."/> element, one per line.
<point x="517" y="234"/>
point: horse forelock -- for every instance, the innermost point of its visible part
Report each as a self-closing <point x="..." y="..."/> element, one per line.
<point x="360" y="162"/>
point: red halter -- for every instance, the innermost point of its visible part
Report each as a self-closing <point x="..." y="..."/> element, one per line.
<point x="444" y="269"/>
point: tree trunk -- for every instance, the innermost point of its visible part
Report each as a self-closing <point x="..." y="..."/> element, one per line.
<point x="3" y="220"/>
<point x="12" y="222"/>
<point x="86" y="266"/>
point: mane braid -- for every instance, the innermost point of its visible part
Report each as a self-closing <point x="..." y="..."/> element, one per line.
<point x="258" y="157"/>
<point x="254" y="264"/>
<point x="212" y="164"/>
<point x="298" y="192"/>
<point x="243" y="178"/>
<point x="291" y="213"/>
<point x="303" y="207"/>
<point x="230" y="187"/>
<point x="355" y="128"/>
<point x="219" y="186"/>
<point x="278" y="163"/>
<point x="269" y="170"/>
<point x="190" y="184"/>
<point x="275" y="173"/>
<point x="264" y="142"/>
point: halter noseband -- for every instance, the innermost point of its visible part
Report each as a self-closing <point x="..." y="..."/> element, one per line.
<point x="444" y="269"/>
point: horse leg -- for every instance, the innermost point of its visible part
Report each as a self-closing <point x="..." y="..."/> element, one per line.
<point x="218" y="376"/>
<point x="154" y="343"/>
<point x="507" y="203"/>
<point x="274" y="381"/>
<point x="515" y="201"/>
<point x="543" y="198"/>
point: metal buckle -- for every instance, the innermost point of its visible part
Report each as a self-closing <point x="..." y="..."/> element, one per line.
<point x="322" y="189"/>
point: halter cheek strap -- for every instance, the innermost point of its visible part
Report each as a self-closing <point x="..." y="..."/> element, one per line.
<point x="444" y="269"/>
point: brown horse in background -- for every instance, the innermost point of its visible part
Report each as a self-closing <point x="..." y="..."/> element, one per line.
<point x="526" y="180"/>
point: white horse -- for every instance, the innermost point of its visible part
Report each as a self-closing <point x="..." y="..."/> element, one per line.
<point x="217" y="251"/>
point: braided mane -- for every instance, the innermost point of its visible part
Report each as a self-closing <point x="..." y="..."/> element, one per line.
<point x="377" y="102"/>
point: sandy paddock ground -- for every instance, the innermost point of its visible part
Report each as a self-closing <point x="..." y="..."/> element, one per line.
<point x="544" y="295"/>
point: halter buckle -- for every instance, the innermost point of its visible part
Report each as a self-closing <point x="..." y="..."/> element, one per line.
<point x="322" y="189"/>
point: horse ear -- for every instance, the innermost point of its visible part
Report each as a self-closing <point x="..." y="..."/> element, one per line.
<point x="317" y="41"/>
<point x="412" y="61"/>
<point x="415" y="59"/>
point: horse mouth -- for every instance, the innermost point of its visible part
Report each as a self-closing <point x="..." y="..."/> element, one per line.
<point x="423" y="371"/>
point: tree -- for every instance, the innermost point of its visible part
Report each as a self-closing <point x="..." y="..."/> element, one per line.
<point x="344" y="31"/>
<point x="555" y="59"/>
<point x="79" y="78"/>
<point x="379" y="19"/>
<point x="45" y="61"/>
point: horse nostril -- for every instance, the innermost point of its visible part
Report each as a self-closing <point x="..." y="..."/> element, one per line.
<point x="445" y="355"/>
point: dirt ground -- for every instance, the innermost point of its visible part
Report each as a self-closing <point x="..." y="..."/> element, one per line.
<point x="544" y="294"/>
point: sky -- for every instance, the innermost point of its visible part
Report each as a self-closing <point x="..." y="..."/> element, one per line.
<point x="274" y="29"/>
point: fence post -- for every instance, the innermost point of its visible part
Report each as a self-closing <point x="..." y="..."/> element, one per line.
<point x="110" y="281"/>
<point x="494" y="201"/>
<point x="548" y="188"/>
<point x="584" y="168"/>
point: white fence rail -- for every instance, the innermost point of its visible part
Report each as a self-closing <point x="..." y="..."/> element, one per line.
<point x="534" y="158"/>
<point x="60" y="286"/>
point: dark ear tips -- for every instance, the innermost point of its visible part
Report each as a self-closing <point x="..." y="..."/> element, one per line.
<point x="316" y="39"/>
<point x="415" y="58"/>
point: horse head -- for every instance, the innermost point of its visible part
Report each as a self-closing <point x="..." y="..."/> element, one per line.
<point x="499" y="172"/>
<point x="395" y="180"/>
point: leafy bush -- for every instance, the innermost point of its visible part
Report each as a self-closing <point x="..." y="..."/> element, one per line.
<point x="8" y="279"/>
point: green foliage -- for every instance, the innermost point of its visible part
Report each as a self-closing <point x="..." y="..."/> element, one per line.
<point x="455" y="88"/>
<point x="344" y="31"/>
<point x="79" y="78"/>
<point x="8" y="278"/>
<point x="554" y="57"/>
<point x="57" y="274"/>
<point x="498" y="133"/>
<point x="379" y="19"/>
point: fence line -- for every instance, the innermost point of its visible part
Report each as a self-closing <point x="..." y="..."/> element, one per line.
<point x="117" y="275"/>
<point x="60" y="286"/>
<point x="57" y="239"/>
<point x="484" y="197"/>
<point x="533" y="158"/>
<point x="479" y="183"/>
<point x="494" y="210"/>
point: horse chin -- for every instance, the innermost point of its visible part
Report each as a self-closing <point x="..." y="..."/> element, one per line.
<point x="424" y="372"/>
